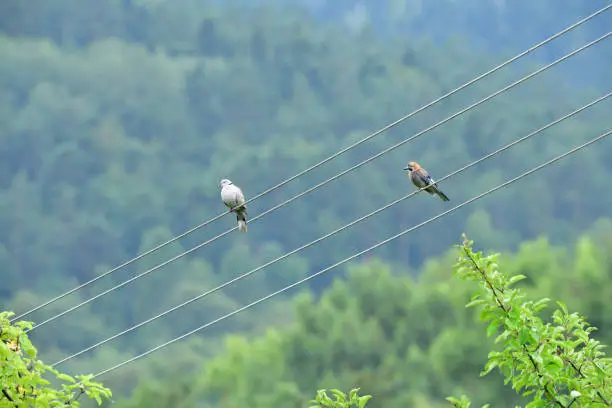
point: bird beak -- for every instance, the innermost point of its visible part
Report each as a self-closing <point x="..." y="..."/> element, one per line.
<point x="406" y="168"/>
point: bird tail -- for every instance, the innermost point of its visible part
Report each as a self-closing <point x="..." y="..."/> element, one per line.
<point x="442" y="195"/>
<point x="241" y="217"/>
<point x="242" y="226"/>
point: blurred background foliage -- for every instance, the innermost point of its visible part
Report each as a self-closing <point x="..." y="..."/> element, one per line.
<point x="119" y="118"/>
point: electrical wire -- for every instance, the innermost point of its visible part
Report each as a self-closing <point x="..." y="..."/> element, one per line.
<point x="379" y="244"/>
<point x="506" y="88"/>
<point x="277" y="186"/>
<point x="209" y="292"/>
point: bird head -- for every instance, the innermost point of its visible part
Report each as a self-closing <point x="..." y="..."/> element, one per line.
<point x="412" y="166"/>
<point x="225" y="182"/>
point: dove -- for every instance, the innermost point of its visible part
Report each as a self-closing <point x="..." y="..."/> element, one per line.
<point x="421" y="178"/>
<point x="234" y="199"/>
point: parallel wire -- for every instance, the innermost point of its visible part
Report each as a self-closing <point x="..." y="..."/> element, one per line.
<point x="188" y="232"/>
<point x="506" y="88"/>
<point x="209" y="292"/>
<point x="381" y="243"/>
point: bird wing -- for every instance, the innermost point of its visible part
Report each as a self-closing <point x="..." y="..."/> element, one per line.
<point x="228" y="196"/>
<point x="232" y="196"/>
<point x="427" y="178"/>
<point x="421" y="179"/>
<point x="239" y="196"/>
<point x="425" y="175"/>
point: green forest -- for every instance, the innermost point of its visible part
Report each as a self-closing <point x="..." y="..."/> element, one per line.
<point x="118" y="119"/>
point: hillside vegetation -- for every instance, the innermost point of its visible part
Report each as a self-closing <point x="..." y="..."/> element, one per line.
<point x="119" y="119"/>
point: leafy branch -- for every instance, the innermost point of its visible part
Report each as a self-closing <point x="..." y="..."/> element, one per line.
<point x="557" y="362"/>
<point x="340" y="400"/>
<point x="22" y="375"/>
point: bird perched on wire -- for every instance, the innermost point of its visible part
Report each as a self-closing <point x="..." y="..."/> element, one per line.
<point x="421" y="179"/>
<point x="234" y="199"/>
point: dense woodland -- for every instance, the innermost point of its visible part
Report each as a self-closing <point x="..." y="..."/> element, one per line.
<point x="119" y="118"/>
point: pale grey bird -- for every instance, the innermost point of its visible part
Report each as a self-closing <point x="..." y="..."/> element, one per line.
<point x="234" y="199"/>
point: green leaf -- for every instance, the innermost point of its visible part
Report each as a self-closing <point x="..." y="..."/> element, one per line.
<point x="65" y="377"/>
<point x="489" y="366"/>
<point x="364" y="400"/>
<point x="493" y="327"/>
<point x="516" y="278"/>
<point x="340" y="396"/>
<point x="563" y="307"/>
<point x="554" y="363"/>
<point x="475" y="302"/>
<point x="524" y="336"/>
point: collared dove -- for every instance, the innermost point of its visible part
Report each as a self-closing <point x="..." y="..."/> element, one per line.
<point x="421" y="178"/>
<point x="234" y="199"/>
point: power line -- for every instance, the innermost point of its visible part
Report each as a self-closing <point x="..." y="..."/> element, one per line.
<point x="515" y="142"/>
<point x="381" y="243"/>
<point x="441" y="98"/>
<point x="506" y="88"/>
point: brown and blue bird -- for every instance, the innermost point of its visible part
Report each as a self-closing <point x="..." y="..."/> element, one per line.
<point x="421" y="178"/>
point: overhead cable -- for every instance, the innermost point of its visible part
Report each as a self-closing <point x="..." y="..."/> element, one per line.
<point x="222" y="286"/>
<point x="277" y="186"/>
<point x="184" y="253"/>
<point x="379" y="244"/>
